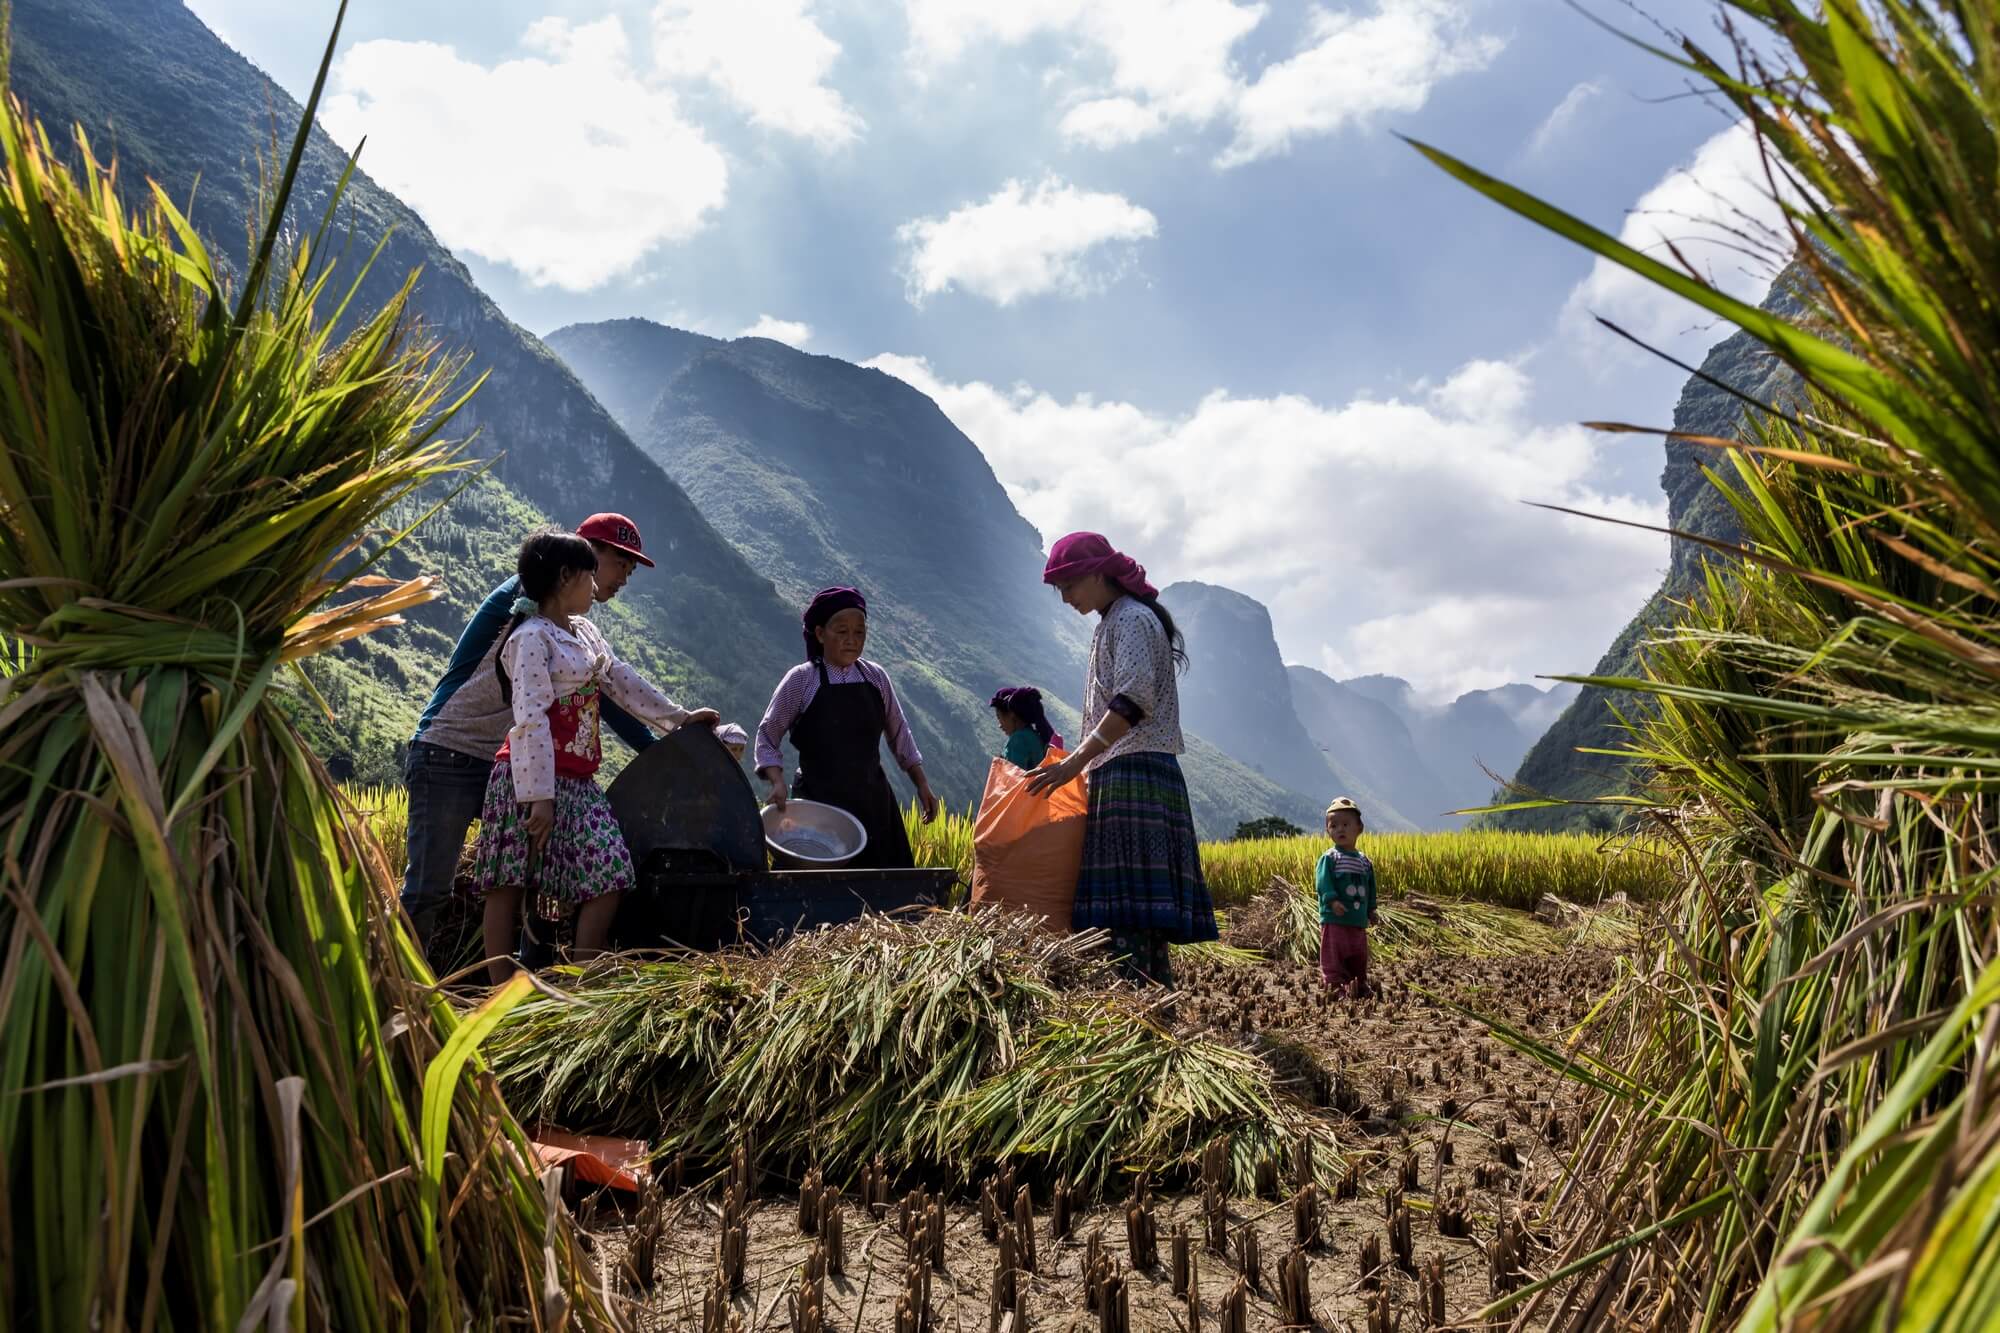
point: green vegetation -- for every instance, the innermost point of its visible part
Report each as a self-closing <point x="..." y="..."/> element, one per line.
<point x="1270" y="826"/>
<point x="228" y="1097"/>
<point x="1506" y="869"/>
<point x="1793" y="1124"/>
<point x="933" y="1043"/>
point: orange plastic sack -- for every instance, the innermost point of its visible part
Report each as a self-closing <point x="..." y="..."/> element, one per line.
<point x="593" y="1158"/>
<point x="1027" y="849"/>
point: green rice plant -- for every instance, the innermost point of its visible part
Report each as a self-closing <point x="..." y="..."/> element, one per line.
<point x="386" y="811"/>
<point x="1219" y="952"/>
<point x="934" y="1042"/>
<point x="1794" y="1127"/>
<point x="1510" y="869"/>
<point x="1114" y="1091"/>
<point x="946" y="842"/>
<point x="229" y="1096"/>
<point x="1514" y="869"/>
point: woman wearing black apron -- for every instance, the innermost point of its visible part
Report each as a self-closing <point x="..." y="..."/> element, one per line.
<point x="837" y="708"/>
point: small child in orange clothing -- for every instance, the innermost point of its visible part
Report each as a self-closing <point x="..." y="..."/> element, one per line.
<point x="1346" y="883"/>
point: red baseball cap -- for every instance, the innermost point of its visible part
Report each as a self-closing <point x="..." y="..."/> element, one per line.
<point x="616" y="531"/>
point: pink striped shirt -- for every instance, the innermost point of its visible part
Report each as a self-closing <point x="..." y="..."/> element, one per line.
<point x="798" y="689"/>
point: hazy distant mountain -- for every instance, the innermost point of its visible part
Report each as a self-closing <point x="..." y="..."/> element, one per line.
<point x="1369" y="738"/>
<point x="1237" y="693"/>
<point x="626" y="363"/>
<point x="1459" y="741"/>
<point x="1406" y="763"/>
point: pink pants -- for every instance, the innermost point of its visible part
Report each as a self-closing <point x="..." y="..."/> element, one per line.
<point x="1343" y="956"/>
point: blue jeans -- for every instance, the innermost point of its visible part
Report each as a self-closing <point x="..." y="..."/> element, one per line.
<point x="446" y="789"/>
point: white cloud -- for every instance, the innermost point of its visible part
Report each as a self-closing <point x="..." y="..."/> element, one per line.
<point x="1483" y="389"/>
<point x="1716" y="211"/>
<point x="561" y="163"/>
<point x="1107" y="122"/>
<point x="1353" y="69"/>
<point x="1175" y="55"/>
<point x="1155" y="63"/>
<point x="1391" y="532"/>
<point x="792" y="332"/>
<point x="1564" y="115"/>
<point x="1051" y="238"/>
<point x="769" y="57"/>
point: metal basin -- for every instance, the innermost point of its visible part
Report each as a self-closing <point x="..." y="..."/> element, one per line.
<point x="814" y="835"/>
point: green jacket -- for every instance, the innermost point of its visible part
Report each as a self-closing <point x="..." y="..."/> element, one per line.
<point x="1346" y="883"/>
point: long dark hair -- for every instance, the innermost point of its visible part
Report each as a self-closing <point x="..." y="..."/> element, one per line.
<point x="1160" y="613"/>
<point x="545" y="557"/>
<point x="1025" y="702"/>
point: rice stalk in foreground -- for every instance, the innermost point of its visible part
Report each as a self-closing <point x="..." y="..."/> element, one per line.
<point x="1796" y="1126"/>
<point x="227" y="1096"/>
<point x="939" y="1043"/>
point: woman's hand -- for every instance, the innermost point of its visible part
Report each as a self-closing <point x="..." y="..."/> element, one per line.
<point x="1046" y="780"/>
<point x="701" y="717"/>
<point x="930" y="802"/>
<point x="541" y="823"/>
<point x="774" y="781"/>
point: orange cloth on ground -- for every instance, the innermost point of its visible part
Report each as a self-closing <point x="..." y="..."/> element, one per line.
<point x="1027" y="849"/>
<point x="593" y="1158"/>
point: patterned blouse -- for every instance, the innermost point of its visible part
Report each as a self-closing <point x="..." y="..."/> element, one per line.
<point x="546" y="662"/>
<point x="1131" y="657"/>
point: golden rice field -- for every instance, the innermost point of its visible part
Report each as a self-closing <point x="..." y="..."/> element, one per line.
<point x="1508" y="869"/>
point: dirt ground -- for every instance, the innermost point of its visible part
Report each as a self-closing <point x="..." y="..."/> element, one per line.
<point x="1400" y="1074"/>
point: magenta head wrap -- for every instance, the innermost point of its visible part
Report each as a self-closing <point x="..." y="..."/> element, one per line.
<point x="825" y="605"/>
<point x="1082" y="554"/>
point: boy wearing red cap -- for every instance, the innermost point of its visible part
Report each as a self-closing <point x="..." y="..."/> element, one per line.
<point x="451" y="754"/>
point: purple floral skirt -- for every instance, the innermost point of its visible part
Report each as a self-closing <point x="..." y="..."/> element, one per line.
<point x="585" y="856"/>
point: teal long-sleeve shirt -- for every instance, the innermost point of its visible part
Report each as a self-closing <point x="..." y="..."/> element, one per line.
<point x="1346" y="883"/>
<point x="1025" y="749"/>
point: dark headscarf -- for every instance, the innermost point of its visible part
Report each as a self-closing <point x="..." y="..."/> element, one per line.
<point x="1082" y="554"/>
<point x="825" y="605"/>
<point x="1025" y="702"/>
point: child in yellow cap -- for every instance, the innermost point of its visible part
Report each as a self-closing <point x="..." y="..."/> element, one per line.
<point x="1346" y="882"/>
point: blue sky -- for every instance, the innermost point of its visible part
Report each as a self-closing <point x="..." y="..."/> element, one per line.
<point x="1165" y="261"/>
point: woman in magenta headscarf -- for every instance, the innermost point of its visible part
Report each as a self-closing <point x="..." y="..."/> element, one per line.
<point x="838" y="708"/>
<point x="1141" y="877"/>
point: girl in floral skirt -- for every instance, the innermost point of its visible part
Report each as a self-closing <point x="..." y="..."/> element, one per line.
<point x="545" y="822"/>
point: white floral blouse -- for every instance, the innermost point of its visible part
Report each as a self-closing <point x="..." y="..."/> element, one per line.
<point x="1130" y="656"/>
<point x="546" y="662"/>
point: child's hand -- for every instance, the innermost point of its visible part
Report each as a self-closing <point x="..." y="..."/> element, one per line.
<point x="541" y="822"/>
<point x="1373" y="921"/>
<point x="701" y="717"/>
